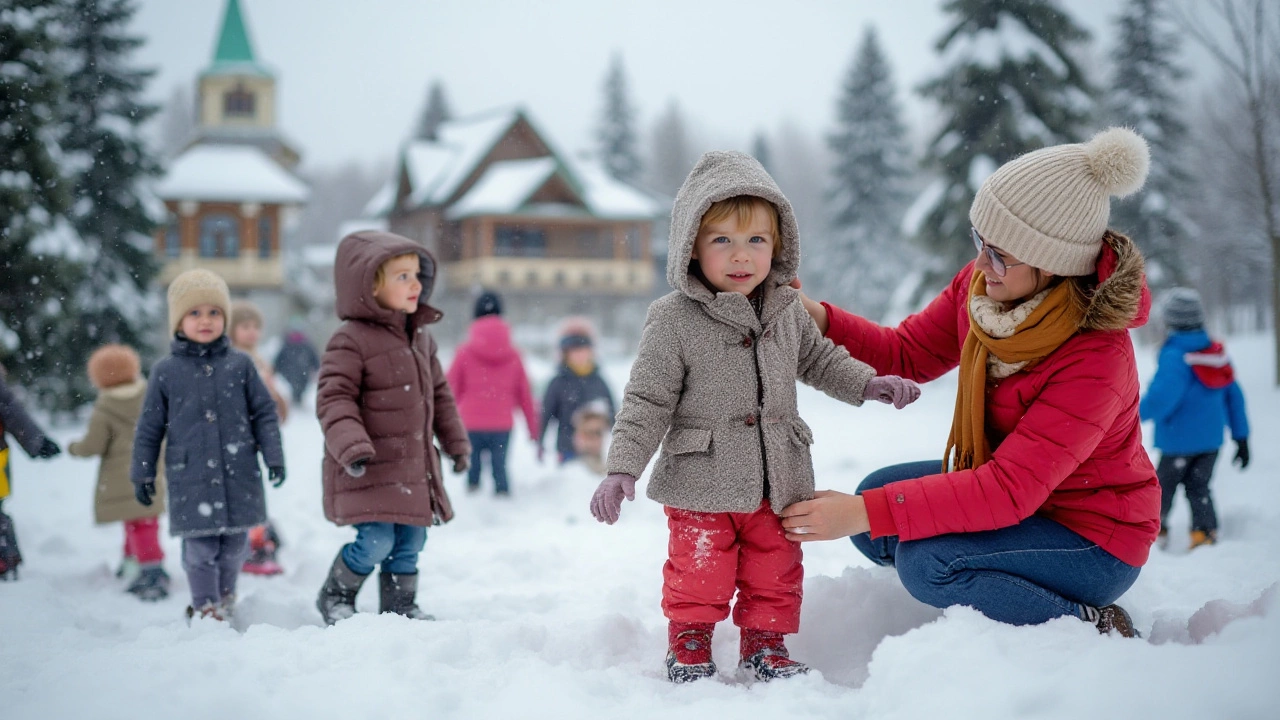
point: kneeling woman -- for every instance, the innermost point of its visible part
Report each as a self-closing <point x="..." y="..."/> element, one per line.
<point x="1046" y="504"/>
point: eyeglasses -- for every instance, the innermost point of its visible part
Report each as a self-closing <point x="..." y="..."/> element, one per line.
<point x="997" y="263"/>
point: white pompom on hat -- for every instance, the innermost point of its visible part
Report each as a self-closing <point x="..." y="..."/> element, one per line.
<point x="197" y="287"/>
<point x="1049" y="208"/>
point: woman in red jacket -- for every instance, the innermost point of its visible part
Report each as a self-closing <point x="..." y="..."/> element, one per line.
<point x="1046" y="504"/>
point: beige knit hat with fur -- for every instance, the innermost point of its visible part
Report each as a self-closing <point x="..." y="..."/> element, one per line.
<point x="1049" y="208"/>
<point x="197" y="287"/>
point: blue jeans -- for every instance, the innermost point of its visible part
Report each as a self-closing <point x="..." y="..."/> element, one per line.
<point x="392" y="545"/>
<point x="1026" y="574"/>
<point x="493" y="442"/>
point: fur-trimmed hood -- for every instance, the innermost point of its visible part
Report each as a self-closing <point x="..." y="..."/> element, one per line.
<point x="1121" y="299"/>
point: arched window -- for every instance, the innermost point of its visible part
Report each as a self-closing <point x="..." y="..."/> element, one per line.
<point x="237" y="102"/>
<point x="264" y="236"/>
<point x="219" y="235"/>
<point x="172" y="237"/>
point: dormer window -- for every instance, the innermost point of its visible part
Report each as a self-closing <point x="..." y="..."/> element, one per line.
<point x="237" y="103"/>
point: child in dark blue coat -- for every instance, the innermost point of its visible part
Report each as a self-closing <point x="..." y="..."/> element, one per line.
<point x="1191" y="398"/>
<point x="208" y="401"/>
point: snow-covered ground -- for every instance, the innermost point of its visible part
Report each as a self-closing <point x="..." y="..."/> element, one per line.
<point x="545" y="613"/>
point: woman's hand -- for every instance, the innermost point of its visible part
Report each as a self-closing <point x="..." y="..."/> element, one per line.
<point x="814" y="308"/>
<point x="829" y="515"/>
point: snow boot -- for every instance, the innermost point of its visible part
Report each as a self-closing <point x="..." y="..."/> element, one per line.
<point x="208" y="611"/>
<point x="337" y="599"/>
<point x="1203" y="537"/>
<point x="396" y="595"/>
<point x="689" y="651"/>
<point x="10" y="558"/>
<point x="1114" y="618"/>
<point x="765" y="656"/>
<point x="151" y="584"/>
<point x="263" y="544"/>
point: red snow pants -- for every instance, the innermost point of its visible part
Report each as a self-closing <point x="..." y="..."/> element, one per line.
<point x="142" y="540"/>
<point x="711" y="554"/>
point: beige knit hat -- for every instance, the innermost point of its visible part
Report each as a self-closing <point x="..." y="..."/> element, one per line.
<point x="197" y="287"/>
<point x="1049" y="208"/>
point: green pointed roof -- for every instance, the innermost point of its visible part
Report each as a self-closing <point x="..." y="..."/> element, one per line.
<point x="234" y="53"/>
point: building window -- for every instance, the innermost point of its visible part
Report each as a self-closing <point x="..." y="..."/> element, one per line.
<point x="531" y="278"/>
<point x="219" y="235"/>
<point x="515" y="241"/>
<point x="172" y="237"/>
<point x="264" y="236"/>
<point x="237" y="103"/>
<point x="634" y="250"/>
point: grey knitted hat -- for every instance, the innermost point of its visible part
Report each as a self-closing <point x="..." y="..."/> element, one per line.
<point x="1049" y="208"/>
<point x="1183" y="309"/>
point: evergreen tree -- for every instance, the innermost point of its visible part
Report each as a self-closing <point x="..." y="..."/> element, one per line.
<point x="860" y="261"/>
<point x="672" y="157"/>
<point x="435" y="112"/>
<point x="1143" y="96"/>
<point x="104" y="113"/>
<point x="616" y="134"/>
<point x="37" y="246"/>
<point x="760" y="151"/>
<point x="1010" y="84"/>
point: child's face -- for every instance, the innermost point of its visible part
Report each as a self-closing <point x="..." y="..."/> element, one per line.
<point x="733" y="257"/>
<point x="579" y="357"/>
<point x="588" y="435"/>
<point x="246" y="335"/>
<point x="401" y="288"/>
<point x="204" y="323"/>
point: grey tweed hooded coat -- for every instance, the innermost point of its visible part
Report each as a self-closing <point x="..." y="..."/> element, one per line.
<point x="714" y="382"/>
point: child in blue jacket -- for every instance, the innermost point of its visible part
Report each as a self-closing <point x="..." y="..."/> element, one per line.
<point x="1191" y="398"/>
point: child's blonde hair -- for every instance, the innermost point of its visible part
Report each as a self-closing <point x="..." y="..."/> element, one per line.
<point x="740" y="208"/>
<point x="380" y="277"/>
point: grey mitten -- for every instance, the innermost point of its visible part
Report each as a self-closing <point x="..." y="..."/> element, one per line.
<point x="892" y="390"/>
<point x="606" y="503"/>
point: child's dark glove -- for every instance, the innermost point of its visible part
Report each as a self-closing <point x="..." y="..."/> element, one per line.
<point x="460" y="463"/>
<point x="276" y="475"/>
<point x="356" y="468"/>
<point x="144" y="491"/>
<point x="1242" y="453"/>
<point x="606" y="503"/>
<point x="48" y="449"/>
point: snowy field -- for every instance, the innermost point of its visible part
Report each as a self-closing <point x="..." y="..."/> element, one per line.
<point x="543" y="613"/>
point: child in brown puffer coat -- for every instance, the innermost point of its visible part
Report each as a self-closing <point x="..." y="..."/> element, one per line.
<point x="116" y="372"/>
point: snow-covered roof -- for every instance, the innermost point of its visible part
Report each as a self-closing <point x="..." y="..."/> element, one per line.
<point x="380" y="204"/>
<point x="232" y="173"/>
<point x="359" y="224"/>
<point x="611" y="198"/>
<point x="504" y="187"/>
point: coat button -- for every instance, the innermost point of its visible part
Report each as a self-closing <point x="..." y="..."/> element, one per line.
<point x="208" y="370"/>
<point x="751" y="420"/>
<point x="900" y="498"/>
<point x="746" y="342"/>
<point x="213" y="463"/>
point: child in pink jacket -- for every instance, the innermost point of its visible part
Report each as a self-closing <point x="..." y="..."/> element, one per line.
<point x="489" y="383"/>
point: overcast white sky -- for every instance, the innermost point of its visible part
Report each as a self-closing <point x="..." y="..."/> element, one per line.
<point x="353" y="74"/>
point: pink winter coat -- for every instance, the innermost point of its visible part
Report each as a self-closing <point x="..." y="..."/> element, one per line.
<point x="1065" y="433"/>
<point x="488" y="379"/>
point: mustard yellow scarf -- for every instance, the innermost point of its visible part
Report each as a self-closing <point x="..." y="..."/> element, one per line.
<point x="1052" y="323"/>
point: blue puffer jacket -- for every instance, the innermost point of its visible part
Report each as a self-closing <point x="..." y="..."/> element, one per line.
<point x="1189" y="416"/>
<point x="210" y="406"/>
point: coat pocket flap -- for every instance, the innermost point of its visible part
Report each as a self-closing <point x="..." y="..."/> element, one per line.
<point x="801" y="433"/>
<point x="687" y="440"/>
<point x="175" y="458"/>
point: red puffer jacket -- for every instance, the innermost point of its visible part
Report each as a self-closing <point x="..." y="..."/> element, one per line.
<point x="1065" y="434"/>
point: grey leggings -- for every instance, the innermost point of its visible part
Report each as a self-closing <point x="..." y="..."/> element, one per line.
<point x="213" y="564"/>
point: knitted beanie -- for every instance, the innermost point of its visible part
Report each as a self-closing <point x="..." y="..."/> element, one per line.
<point x="112" y="365"/>
<point x="1049" y="208"/>
<point x="489" y="303"/>
<point x="243" y="311"/>
<point x="197" y="287"/>
<point x="1183" y="309"/>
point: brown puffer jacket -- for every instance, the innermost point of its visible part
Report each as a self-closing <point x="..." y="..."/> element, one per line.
<point x="382" y="395"/>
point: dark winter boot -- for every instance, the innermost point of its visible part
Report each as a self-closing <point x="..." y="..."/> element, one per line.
<point x="151" y="584"/>
<point x="396" y="594"/>
<point x="765" y="656"/>
<point x="337" y="600"/>
<point x="10" y="558"/>
<point x="1113" y="618"/>
<point x="689" y="651"/>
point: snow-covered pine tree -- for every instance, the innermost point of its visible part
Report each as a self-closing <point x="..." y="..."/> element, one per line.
<point x="616" y="133"/>
<point x="109" y="166"/>
<point x="37" y="245"/>
<point x="1144" y="96"/>
<point x="1010" y="84"/>
<point x="861" y="260"/>
<point x="672" y="157"/>
<point x="760" y="151"/>
<point x="436" y="111"/>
